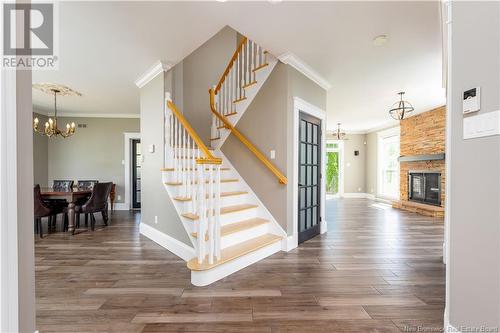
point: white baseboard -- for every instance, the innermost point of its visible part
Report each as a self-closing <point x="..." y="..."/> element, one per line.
<point x="290" y="243"/>
<point x="358" y="195"/>
<point x="173" y="245"/>
<point x="120" y="206"/>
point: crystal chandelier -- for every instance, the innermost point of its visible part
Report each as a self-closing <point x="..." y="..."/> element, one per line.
<point x="401" y="108"/>
<point x="339" y="134"/>
<point x="51" y="129"/>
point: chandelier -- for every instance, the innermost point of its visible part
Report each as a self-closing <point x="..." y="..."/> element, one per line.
<point x="339" y="134"/>
<point x="401" y="108"/>
<point x="51" y="129"/>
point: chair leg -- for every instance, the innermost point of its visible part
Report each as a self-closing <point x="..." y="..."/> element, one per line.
<point x="87" y="220"/>
<point x="36" y="225"/>
<point x="40" y="229"/>
<point x="65" y="222"/>
<point x="92" y="221"/>
<point x="105" y="217"/>
<point x="77" y="220"/>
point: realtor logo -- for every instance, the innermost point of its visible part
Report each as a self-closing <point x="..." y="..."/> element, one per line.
<point x="29" y="36"/>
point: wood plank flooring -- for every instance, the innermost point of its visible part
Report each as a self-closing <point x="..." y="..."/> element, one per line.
<point x="376" y="270"/>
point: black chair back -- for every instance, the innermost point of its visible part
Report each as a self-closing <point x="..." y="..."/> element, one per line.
<point x="98" y="199"/>
<point x="86" y="184"/>
<point x="41" y="210"/>
<point x="62" y="185"/>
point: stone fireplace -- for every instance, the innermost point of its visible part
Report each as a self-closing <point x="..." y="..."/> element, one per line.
<point x="422" y="163"/>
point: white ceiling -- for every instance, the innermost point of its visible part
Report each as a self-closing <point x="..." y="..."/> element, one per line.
<point x="105" y="46"/>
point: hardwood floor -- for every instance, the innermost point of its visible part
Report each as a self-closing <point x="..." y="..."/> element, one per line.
<point x="376" y="270"/>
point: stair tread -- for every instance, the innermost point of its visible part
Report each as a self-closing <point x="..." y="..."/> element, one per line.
<point x="232" y="228"/>
<point x="260" y="67"/>
<point x="213" y="139"/>
<point x="191" y="169"/>
<point x="222" y="194"/>
<point x="239" y="100"/>
<point x="224" y="210"/>
<point x="235" y="251"/>
<point x="229" y="180"/>
<point x="248" y="85"/>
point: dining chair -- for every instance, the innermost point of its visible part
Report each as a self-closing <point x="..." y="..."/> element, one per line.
<point x="84" y="185"/>
<point x="97" y="203"/>
<point x="62" y="185"/>
<point x="42" y="209"/>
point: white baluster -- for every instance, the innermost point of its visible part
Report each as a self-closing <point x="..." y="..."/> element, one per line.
<point x="217" y="213"/>
<point x="184" y="163"/>
<point x="201" y="215"/>
<point x="193" y="180"/>
<point x="211" y="208"/>
<point x="249" y="67"/>
<point x="176" y="152"/>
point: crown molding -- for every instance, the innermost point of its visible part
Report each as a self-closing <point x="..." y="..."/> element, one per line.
<point x="152" y="72"/>
<point x="294" y="61"/>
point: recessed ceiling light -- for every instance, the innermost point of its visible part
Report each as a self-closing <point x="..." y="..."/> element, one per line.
<point x="221" y="0"/>
<point x="274" y="1"/>
<point x="380" y="40"/>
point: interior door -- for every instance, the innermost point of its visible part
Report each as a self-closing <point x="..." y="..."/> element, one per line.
<point x="309" y="177"/>
<point x="136" y="173"/>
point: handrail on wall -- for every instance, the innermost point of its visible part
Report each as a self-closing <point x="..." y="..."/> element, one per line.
<point x="281" y="177"/>
<point x="207" y="158"/>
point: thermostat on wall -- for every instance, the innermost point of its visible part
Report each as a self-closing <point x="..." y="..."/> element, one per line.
<point x="472" y="100"/>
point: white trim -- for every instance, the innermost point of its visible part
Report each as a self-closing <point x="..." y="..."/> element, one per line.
<point x="42" y="111"/>
<point x="128" y="176"/>
<point x="300" y="105"/>
<point x="9" y="256"/>
<point x="152" y="72"/>
<point x="448" y="152"/>
<point x="120" y="206"/>
<point x="178" y="248"/>
<point x="297" y="63"/>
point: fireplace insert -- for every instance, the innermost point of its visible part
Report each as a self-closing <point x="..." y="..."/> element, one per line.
<point x="425" y="187"/>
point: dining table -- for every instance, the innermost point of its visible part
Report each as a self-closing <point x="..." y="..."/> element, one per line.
<point x="71" y="197"/>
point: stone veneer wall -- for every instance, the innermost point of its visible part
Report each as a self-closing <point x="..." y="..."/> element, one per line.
<point x="423" y="134"/>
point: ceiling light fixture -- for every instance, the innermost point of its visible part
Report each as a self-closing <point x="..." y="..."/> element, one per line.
<point x="380" y="40"/>
<point x="339" y="134"/>
<point x="401" y="108"/>
<point x="51" y="129"/>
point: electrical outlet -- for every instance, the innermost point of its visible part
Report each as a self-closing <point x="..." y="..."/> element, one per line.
<point x="156" y="219"/>
<point x="273" y="154"/>
<point x="359" y="189"/>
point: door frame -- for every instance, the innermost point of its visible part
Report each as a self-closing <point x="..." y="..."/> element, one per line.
<point x="134" y="174"/>
<point x="300" y="105"/>
<point x="129" y="136"/>
<point x="340" y="150"/>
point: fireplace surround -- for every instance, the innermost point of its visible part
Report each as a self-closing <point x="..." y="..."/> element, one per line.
<point x="424" y="187"/>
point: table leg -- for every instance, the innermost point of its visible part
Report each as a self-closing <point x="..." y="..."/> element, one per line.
<point x="71" y="215"/>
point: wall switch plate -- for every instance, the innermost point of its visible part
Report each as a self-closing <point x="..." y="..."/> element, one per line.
<point x="118" y="197"/>
<point x="156" y="219"/>
<point x="472" y="100"/>
<point x="481" y="125"/>
<point x="123" y="162"/>
<point x="151" y="148"/>
<point x="273" y="154"/>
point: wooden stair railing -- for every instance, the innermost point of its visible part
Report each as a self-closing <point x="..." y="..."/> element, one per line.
<point x="184" y="151"/>
<point x="281" y="177"/>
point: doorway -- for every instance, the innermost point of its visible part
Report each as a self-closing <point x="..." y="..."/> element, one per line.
<point x="136" y="173"/>
<point x="334" y="171"/>
<point x="309" y="185"/>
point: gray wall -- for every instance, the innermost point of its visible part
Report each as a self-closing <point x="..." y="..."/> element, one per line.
<point x="94" y="152"/>
<point x="155" y="199"/>
<point x="40" y="155"/>
<point x="354" y="166"/>
<point x="474" y="213"/>
<point x="269" y="134"/>
<point x="196" y="74"/>
<point x="272" y="105"/>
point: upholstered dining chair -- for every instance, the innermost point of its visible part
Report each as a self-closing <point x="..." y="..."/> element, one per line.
<point x="97" y="203"/>
<point x="62" y="185"/>
<point x="86" y="184"/>
<point x="42" y="209"/>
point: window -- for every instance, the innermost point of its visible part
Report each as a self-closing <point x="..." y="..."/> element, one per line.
<point x="388" y="165"/>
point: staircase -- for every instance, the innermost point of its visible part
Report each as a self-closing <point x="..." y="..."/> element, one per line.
<point x="227" y="224"/>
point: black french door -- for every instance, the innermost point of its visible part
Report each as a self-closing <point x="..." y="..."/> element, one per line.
<point x="136" y="173"/>
<point x="309" y="177"/>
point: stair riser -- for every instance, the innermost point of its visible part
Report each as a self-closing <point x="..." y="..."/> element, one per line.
<point x="169" y="176"/>
<point x="225" y="187"/>
<point x="225" y="201"/>
<point x="241" y="236"/>
<point x="232" y="217"/>
<point x="204" y="278"/>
